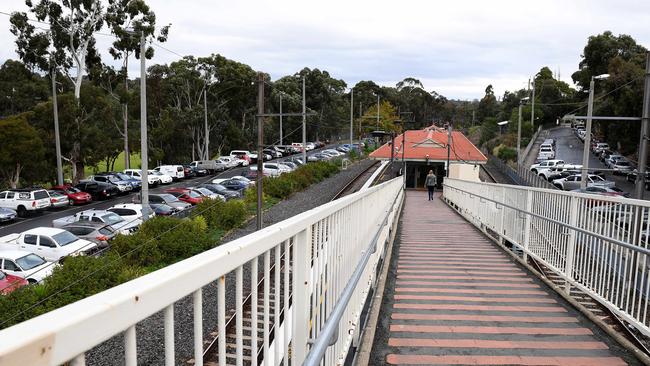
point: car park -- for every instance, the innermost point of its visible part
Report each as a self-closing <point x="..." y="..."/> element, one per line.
<point x="573" y="182"/>
<point x="170" y="200"/>
<point x="129" y="211"/>
<point x="97" y="190"/>
<point x="76" y="196"/>
<point x="58" y="199"/>
<point x="228" y="194"/>
<point x="53" y="244"/>
<point x="26" y="265"/>
<point x="10" y="283"/>
<point x="25" y="201"/>
<point x="98" y="232"/>
<point x="7" y="214"/>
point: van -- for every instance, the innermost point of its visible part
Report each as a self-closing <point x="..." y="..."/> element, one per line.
<point x="175" y="171"/>
<point x="211" y="166"/>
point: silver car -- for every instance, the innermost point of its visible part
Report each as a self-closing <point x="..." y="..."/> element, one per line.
<point x="573" y="182"/>
<point x="97" y="232"/>
<point x="7" y="214"/>
<point x="58" y="199"/>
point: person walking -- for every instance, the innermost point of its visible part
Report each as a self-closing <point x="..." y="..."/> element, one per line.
<point x="431" y="182"/>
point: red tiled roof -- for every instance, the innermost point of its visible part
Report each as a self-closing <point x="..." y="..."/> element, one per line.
<point x="432" y="141"/>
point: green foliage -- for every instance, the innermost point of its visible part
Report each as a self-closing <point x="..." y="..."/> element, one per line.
<point x="162" y="241"/>
<point x="505" y="153"/>
<point x="222" y="215"/>
<point x="21" y="149"/>
<point x="285" y="185"/>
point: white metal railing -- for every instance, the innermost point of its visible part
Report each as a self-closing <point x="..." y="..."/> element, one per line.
<point x="324" y="246"/>
<point x="597" y="244"/>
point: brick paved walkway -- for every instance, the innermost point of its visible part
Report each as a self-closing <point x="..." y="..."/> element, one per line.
<point x="456" y="298"/>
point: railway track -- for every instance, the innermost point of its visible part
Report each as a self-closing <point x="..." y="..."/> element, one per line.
<point x="276" y="294"/>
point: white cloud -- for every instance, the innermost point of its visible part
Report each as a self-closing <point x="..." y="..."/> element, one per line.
<point x="456" y="47"/>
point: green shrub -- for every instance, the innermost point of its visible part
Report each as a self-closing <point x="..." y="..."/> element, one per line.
<point x="162" y="241"/>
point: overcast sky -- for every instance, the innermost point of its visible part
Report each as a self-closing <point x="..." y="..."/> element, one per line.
<point x="454" y="47"/>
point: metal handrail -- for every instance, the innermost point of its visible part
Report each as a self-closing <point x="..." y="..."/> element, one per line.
<point x="330" y="330"/>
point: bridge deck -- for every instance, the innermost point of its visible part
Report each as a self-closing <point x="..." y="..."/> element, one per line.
<point x="453" y="297"/>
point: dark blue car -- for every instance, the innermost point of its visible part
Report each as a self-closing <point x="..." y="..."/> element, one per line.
<point x="234" y="184"/>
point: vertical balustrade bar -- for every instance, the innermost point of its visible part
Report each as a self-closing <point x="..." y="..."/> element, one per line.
<point x="301" y="267"/>
<point x="79" y="360"/>
<point x="221" y="319"/>
<point x="287" y="291"/>
<point x="170" y="354"/>
<point x="267" y="295"/>
<point x="278" y="303"/>
<point x="197" y="301"/>
<point x="130" y="347"/>
<point x="254" y="306"/>
<point x="239" y="316"/>
<point x="570" y="249"/>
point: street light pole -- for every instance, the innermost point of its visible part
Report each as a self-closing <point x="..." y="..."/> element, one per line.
<point x="639" y="187"/>
<point x="351" y="116"/>
<point x="260" y="146"/>
<point x="206" y="155"/>
<point x="281" y="144"/>
<point x="57" y="139"/>
<point x="304" y="123"/>
<point x="532" y="110"/>
<point x="585" y="150"/>
<point x="519" y="137"/>
<point x="144" y="192"/>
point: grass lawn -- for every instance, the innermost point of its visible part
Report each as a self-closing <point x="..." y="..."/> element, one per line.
<point x="119" y="164"/>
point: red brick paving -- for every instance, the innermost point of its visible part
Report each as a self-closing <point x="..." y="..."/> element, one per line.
<point x="459" y="300"/>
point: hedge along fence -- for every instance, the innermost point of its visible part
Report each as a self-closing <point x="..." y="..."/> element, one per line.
<point x="160" y="241"/>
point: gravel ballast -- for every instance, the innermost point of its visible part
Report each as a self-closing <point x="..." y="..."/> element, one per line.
<point x="150" y="332"/>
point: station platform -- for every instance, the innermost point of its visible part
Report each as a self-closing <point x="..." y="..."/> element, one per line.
<point x="454" y="297"/>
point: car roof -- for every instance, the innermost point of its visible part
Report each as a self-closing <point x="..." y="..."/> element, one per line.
<point x="13" y="254"/>
<point x="91" y="224"/>
<point x="44" y="230"/>
<point x="135" y="206"/>
<point x="25" y="190"/>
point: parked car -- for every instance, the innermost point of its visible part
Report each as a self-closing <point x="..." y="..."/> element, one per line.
<point x="175" y="171"/>
<point x="207" y="193"/>
<point x="134" y="182"/>
<point x="266" y="157"/>
<point x="546" y="153"/>
<point x="211" y="166"/>
<point x="7" y="214"/>
<point x="228" y="194"/>
<point x="117" y="222"/>
<point x="10" y="283"/>
<point x="604" y="191"/>
<point x="536" y="168"/>
<point x="98" y="232"/>
<point x="240" y="178"/>
<point x="129" y="211"/>
<point x="75" y="196"/>
<point x="228" y="161"/>
<point x="186" y="195"/>
<point x="235" y="184"/>
<point x="621" y="167"/>
<point x="613" y="158"/>
<point x="153" y="179"/>
<point x="25" y="201"/>
<point x="554" y="172"/>
<point x="243" y="155"/>
<point x="604" y="155"/>
<point x="268" y="169"/>
<point x="162" y="209"/>
<point x="573" y="182"/>
<point x="122" y="185"/>
<point x="58" y="199"/>
<point x="97" y="190"/>
<point x="164" y="178"/>
<point x="170" y="200"/>
<point x="631" y="177"/>
<point x="290" y="164"/>
<point x="600" y="147"/>
<point x="53" y="244"/>
<point x="318" y="157"/>
<point x="25" y="265"/>
<point x="274" y="153"/>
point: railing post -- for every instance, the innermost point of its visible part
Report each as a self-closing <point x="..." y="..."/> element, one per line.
<point x="527" y="222"/>
<point x="571" y="244"/>
<point x="503" y="215"/>
<point x="302" y="294"/>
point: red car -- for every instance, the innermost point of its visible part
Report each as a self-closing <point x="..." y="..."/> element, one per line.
<point x="9" y="283"/>
<point x="76" y="196"/>
<point x="185" y="195"/>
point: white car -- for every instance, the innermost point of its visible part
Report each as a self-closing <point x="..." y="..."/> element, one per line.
<point x="208" y="193"/>
<point x="284" y="168"/>
<point x="546" y="153"/>
<point x="50" y="243"/>
<point x="310" y="146"/>
<point x="174" y="171"/>
<point x="243" y="156"/>
<point x="268" y="169"/>
<point x="537" y="168"/>
<point x="229" y="161"/>
<point x="600" y="147"/>
<point x="237" y="177"/>
<point x="129" y="211"/>
<point x="25" y="200"/>
<point x="164" y="178"/>
<point x="29" y="266"/>
<point x="333" y="152"/>
<point x="153" y="179"/>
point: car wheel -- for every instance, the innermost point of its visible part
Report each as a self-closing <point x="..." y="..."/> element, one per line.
<point x="32" y="281"/>
<point x="21" y="211"/>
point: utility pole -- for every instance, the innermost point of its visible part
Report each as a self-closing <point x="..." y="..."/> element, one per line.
<point x="304" y="123"/>
<point x="377" y="129"/>
<point x="127" y="153"/>
<point x="639" y="187"/>
<point x="281" y="119"/>
<point x="206" y="155"/>
<point x="404" y="160"/>
<point x="260" y="145"/>
<point x="57" y="138"/>
<point x="448" y="147"/>
<point x="473" y="117"/>
<point x="144" y="192"/>
<point x="519" y="137"/>
<point x="587" y="145"/>
<point x="351" y="116"/>
<point x="532" y="110"/>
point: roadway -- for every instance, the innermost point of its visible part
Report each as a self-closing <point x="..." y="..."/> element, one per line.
<point x="45" y="218"/>
<point x="569" y="148"/>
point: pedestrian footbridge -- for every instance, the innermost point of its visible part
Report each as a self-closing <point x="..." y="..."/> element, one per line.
<point x="384" y="276"/>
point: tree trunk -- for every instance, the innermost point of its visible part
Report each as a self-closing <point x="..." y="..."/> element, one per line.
<point x="15" y="178"/>
<point x="127" y="154"/>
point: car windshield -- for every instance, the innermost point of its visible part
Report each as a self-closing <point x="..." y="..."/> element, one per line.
<point x="616" y="189"/>
<point x="123" y="176"/>
<point x="169" y="198"/>
<point x="205" y="191"/>
<point x="30" y="261"/>
<point x="193" y="194"/>
<point x="597" y="178"/>
<point x="112" y="179"/>
<point x="623" y="163"/>
<point x="64" y="238"/>
<point x="40" y="195"/>
<point x="112" y="218"/>
<point x="72" y="190"/>
<point x="2" y="275"/>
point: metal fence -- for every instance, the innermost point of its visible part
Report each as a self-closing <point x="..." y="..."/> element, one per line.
<point x="597" y="244"/>
<point x="520" y="176"/>
<point x="319" y="252"/>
